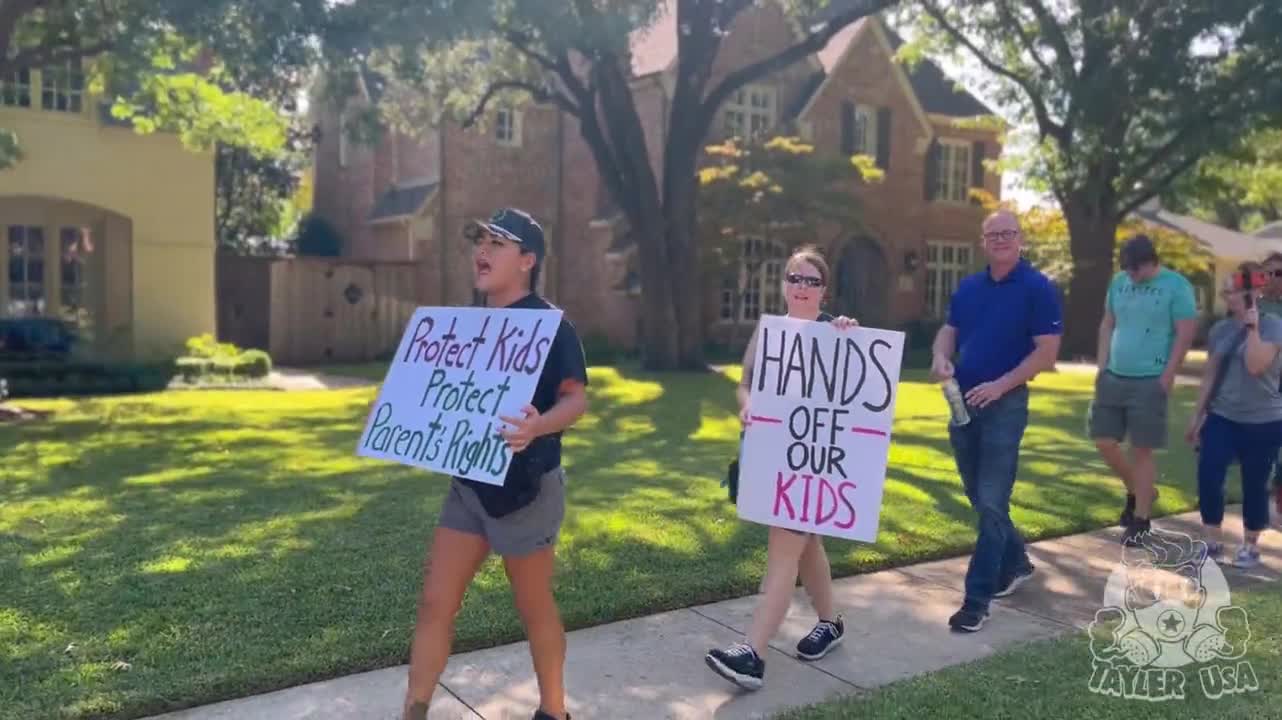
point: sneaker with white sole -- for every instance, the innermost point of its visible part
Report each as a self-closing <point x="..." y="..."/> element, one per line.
<point x="739" y="664"/>
<point x="826" y="636"/>
<point x="1012" y="584"/>
<point x="1248" y="556"/>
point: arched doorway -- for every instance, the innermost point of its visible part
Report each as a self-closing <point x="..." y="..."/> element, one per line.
<point x="863" y="282"/>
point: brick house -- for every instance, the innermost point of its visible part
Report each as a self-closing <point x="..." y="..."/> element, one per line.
<point x="408" y="197"/>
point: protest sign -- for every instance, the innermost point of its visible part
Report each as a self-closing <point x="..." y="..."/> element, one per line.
<point x="822" y="403"/>
<point x="456" y="372"/>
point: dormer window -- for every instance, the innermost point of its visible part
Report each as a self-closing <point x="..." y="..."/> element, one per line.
<point x="751" y="111"/>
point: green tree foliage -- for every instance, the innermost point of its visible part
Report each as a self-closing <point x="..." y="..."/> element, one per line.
<point x="778" y="191"/>
<point x="185" y="66"/>
<point x="1125" y="97"/>
<point x="452" y="57"/>
<point x="1240" y="188"/>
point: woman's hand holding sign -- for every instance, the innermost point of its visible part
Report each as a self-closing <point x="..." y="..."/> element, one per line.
<point x="844" y="323"/>
<point x="524" y="430"/>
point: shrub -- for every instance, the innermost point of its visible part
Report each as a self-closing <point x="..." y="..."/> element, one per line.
<point x="253" y="364"/>
<point x="193" y="368"/>
<point x="318" y="238"/>
<point x="206" y="346"/>
<point x="60" y="379"/>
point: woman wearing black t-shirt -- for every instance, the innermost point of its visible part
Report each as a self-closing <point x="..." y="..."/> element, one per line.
<point x="521" y="519"/>
<point x="789" y="552"/>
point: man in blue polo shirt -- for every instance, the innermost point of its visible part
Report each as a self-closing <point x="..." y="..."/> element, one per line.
<point x="1006" y="322"/>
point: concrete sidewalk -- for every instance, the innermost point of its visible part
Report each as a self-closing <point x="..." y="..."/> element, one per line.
<point x="652" y="667"/>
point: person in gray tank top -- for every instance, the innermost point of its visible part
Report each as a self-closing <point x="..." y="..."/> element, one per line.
<point x="1239" y="418"/>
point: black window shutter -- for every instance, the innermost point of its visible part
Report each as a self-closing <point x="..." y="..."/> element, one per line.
<point x="883" y="138"/>
<point x="977" y="154"/>
<point x="932" y="170"/>
<point x="847" y="128"/>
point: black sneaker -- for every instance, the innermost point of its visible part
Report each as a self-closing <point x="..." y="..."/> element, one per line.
<point x="739" y="664"/>
<point x="540" y="715"/>
<point x="1128" y="514"/>
<point x="825" y="637"/>
<point x="1136" y="532"/>
<point x="968" y="619"/>
<point x="1012" y="583"/>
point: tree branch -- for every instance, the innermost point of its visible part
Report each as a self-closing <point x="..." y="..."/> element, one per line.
<point x="1044" y="123"/>
<point x="1013" y="22"/>
<point x="521" y="42"/>
<point x="1151" y="190"/>
<point x="537" y="93"/>
<point x="1207" y="117"/>
<point x="1054" y="33"/>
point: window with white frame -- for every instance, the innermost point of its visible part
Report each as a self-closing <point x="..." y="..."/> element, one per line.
<point x="750" y="111"/>
<point x="757" y="287"/>
<point x="26" y="270"/>
<point x="62" y="87"/>
<point x="946" y="265"/>
<point x="954" y="171"/>
<point x="15" y="88"/>
<point x="507" y="127"/>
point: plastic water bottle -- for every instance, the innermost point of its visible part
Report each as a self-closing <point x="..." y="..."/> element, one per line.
<point x="956" y="402"/>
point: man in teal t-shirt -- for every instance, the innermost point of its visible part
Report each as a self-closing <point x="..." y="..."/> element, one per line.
<point x="1150" y="319"/>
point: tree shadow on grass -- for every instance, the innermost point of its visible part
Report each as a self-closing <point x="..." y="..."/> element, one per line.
<point x="237" y="548"/>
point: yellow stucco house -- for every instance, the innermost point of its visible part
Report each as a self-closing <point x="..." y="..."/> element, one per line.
<point x="102" y="224"/>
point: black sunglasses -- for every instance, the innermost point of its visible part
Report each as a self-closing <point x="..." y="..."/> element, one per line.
<point x="808" y="280"/>
<point x="1276" y="273"/>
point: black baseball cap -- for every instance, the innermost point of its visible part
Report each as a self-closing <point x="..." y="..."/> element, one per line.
<point x="1137" y="251"/>
<point x="515" y="225"/>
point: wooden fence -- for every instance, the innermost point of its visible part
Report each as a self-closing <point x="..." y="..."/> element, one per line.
<point x="307" y="311"/>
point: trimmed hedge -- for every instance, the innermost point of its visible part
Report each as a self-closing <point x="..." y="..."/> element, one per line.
<point x="72" y="378"/>
<point x="251" y="364"/>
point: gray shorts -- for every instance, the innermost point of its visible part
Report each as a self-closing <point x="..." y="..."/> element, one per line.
<point x="527" y="530"/>
<point x="1134" y="407"/>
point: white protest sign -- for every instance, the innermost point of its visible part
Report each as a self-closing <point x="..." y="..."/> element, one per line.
<point x="456" y="372"/>
<point x="822" y="404"/>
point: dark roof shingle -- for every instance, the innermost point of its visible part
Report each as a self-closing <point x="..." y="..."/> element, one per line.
<point x="402" y="201"/>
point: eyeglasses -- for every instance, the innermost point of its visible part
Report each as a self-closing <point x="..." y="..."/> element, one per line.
<point x="808" y="280"/>
<point x="1001" y="235"/>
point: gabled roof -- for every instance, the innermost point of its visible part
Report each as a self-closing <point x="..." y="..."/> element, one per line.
<point x="402" y="201"/>
<point x="1220" y="241"/>
<point x="1273" y="231"/>
<point x="654" y="49"/>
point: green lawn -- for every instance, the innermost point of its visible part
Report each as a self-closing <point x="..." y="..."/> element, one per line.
<point x="167" y="550"/>
<point x="1050" y="679"/>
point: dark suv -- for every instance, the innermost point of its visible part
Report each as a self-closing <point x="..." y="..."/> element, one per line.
<point x="36" y="338"/>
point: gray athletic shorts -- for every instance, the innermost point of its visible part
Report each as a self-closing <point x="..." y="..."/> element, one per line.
<point x="1134" y="407"/>
<point x="522" y="532"/>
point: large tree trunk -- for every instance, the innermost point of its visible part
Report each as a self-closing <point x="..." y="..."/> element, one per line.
<point x="1092" y="231"/>
<point x="660" y="332"/>
<point x="686" y="274"/>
